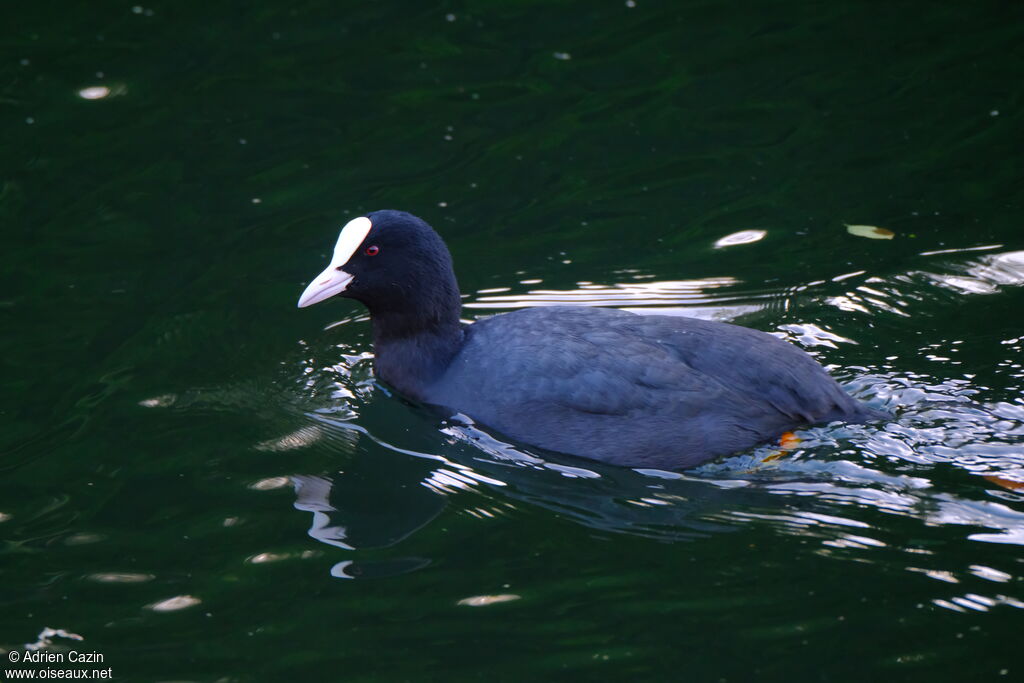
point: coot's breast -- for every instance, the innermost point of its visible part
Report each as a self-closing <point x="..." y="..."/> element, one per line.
<point x="641" y="391"/>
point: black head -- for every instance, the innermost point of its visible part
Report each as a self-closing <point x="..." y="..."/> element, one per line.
<point x="395" y="264"/>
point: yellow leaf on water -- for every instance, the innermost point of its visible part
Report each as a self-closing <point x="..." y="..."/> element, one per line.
<point x="1011" y="484"/>
<point x="872" y="232"/>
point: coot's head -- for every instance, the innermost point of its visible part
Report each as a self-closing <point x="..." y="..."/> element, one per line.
<point x="391" y="261"/>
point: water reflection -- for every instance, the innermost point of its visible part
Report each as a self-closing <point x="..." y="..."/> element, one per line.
<point x="695" y="298"/>
<point x="364" y="508"/>
<point x="722" y="298"/>
<point x="986" y="275"/>
<point x="96" y="92"/>
<point x="844" y="488"/>
<point x="901" y="293"/>
<point x="741" y="237"/>
<point x="831" y="503"/>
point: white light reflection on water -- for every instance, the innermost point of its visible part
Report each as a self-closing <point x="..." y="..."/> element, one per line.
<point x="987" y="275"/>
<point x="96" y="92"/>
<point x="741" y="237"/>
<point x="699" y="298"/>
<point x="899" y="294"/>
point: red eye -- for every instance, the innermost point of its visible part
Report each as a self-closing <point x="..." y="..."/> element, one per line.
<point x="372" y="251"/>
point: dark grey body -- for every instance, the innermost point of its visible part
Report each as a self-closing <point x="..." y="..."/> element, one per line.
<point x="636" y="390"/>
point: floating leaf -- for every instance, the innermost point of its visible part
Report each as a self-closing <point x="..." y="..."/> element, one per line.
<point x="270" y="484"/>
<point x="300" y="438"/>
<point x="121" y="577"/>
<point x="263" y="558"/>
<point x="1006" y="483"/>
<point x="174" y="604"/>
<point x="872" y="232"/>
<point x="96" y="92"/>
<point x="484" y="600"/>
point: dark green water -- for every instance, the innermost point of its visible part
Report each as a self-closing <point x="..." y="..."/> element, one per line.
<point x="204" y="483"/>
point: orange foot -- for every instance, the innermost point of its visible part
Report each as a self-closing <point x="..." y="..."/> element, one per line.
<point x="789" y="441"/>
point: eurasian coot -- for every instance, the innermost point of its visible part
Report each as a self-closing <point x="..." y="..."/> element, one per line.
<point x="647" y="391"/>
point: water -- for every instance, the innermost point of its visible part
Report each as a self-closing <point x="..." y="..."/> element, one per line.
<point x="204" y="483"/>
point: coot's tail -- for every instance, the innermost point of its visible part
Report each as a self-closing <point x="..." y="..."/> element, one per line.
<point x="858" y="413"/>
